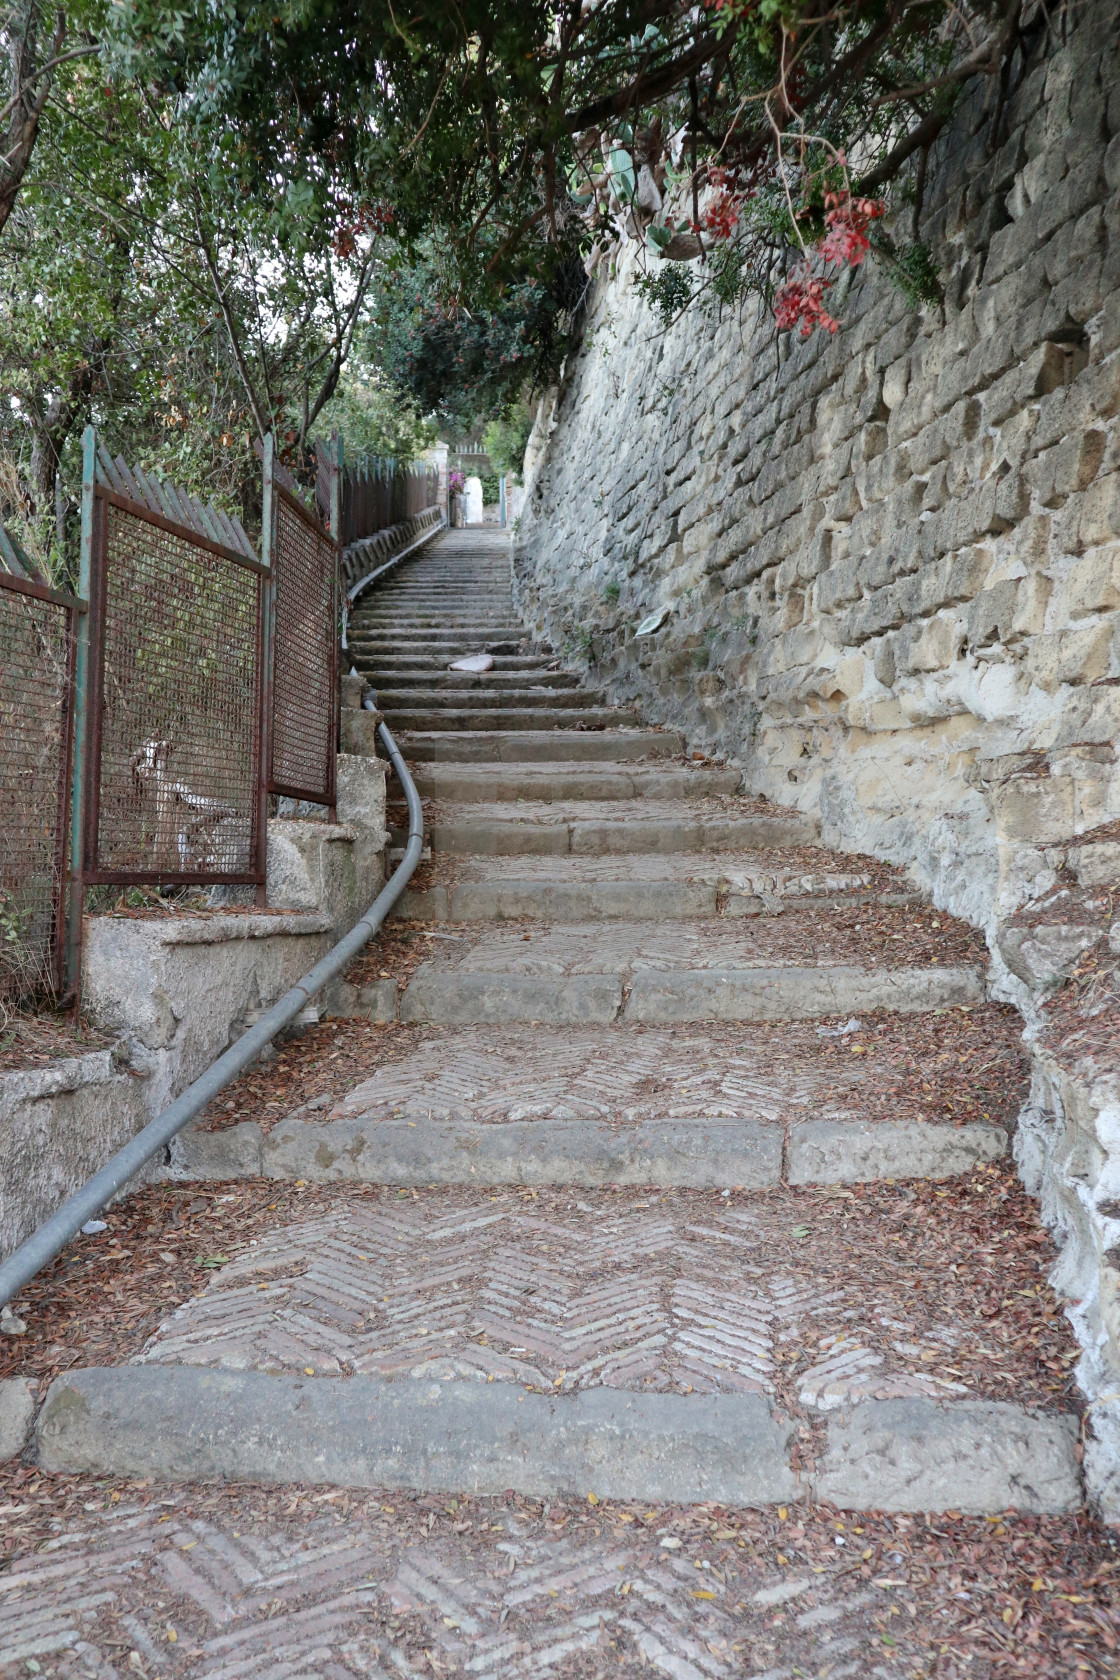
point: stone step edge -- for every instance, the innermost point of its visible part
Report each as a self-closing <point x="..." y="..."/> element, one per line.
<point x="528" y="718"/>
<point x="551" y="901"/>
<point x="505" y="784"/>
<point x="555" y="746"/>
<point x="178" y="1423"/>
<point x="674" y="1154"/>
<point x="610" y="836"/>
<point x="464" y="997"/>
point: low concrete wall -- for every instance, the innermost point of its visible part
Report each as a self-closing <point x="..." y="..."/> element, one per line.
<point x="177" y="990"/>
<point x="58" y="1124"/>
<point x="361" y="558"/>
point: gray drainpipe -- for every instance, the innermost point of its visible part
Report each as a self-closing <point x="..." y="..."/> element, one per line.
<point x="21" y="1266"/>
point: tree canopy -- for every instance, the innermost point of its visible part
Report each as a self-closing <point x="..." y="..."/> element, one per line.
<point x="224" y="218"/>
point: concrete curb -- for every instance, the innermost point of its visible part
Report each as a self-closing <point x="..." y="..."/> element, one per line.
<point x="694" y="1154"/>
<point x="499" y="784"/>
<point x="854" y="1151"/>
<point x="180" y="1423"/>
<point x="462" y="998"/>
<point x="481" y="1438"/>
<point x="507" y="837"/>
<point x="539" y="746"/>
<point x="977" y="1456"/>
<point x="791" y="994"/>
<point x="459" y="999"/>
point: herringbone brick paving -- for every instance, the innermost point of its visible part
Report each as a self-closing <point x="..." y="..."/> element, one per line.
<point x="591" y="1073"/>
<point x="206" y="1583"/>
<point x="817" y="940"/>
<point x="964" y="1064"/>
<point x="684" y="1292"/>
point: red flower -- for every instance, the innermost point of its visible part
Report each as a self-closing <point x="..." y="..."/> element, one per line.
<point x="801" y="301"/>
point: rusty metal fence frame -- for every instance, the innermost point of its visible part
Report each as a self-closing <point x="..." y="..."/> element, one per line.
<point x="303" y="558"/>
<point x="124" y="533"/>
<point x="279" y="639"/>
<point x="40" y="893"/>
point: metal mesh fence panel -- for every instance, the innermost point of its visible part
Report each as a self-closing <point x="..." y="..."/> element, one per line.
<point x="176" y="654"/>
<point x="35" y="656"/>
<point x="304" y="733"/>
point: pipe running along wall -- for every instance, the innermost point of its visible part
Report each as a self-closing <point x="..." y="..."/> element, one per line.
<point x="53" y="1235"/>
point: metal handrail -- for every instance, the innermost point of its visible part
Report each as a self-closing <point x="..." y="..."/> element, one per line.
<point x="21" y="1266"/>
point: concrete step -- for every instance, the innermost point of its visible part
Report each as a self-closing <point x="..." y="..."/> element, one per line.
<point x="917" y="1455"/>
<point x="597" y="1106"/>
<point x="571" y="780"/>
<point x="539" y="746"/>
<point x="390" y="663"/>
<point x="787" y="968"/>
<point x="521" y="698"/>
<point x="656" y="887"/>
<point x="426" y="718"/>
<point x="435" y="679"/>
<point x="438" y="654"/>
<point x="406" y="637"/>
<point x="749" y="993"/>
<point x="400" y="624"/>
<point x="514" y="900"/>
<point x="467" y="1341"/>
<point x="611" y="831"/>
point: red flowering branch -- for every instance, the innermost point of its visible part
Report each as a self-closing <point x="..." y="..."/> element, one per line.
<point x="800" y="302"/>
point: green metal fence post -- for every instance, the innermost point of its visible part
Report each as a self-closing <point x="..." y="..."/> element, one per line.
<point x="72" y="979"/>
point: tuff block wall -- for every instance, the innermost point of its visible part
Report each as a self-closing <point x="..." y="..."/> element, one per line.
<point x="890" y="559"/>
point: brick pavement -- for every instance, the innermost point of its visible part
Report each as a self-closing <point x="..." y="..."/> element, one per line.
<point x="480" y="1075"/>
<point x="685" y="1292"/>
<point x="808" y="941"/>
<point x="141" y="1594"/>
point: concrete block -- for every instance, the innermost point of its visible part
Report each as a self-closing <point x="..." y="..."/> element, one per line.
<point x="1042" y="956"/>
<point x="1036" y="809"/>
<point x="233" y="1152"/>
<point x="58" y="1126"/>
<point x="1096" y="864"/>
<point x="17" y="1410"/>
<point x="853" y="1152"/>
<point x="377" y="1000"/>
<point x="696" y="1154"/>
<point x="182" y="986"/>
<point x="473" y="1437"/>
<point x="977" y="1456"/>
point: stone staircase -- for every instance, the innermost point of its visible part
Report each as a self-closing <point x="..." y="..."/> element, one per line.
<point x="678" y="1179"/>
<point x="452" y="601"/>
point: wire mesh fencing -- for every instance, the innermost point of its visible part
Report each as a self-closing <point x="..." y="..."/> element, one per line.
<point x="304" y="725"/>
<point x="201" y="679"/>
<point x="176" y="675"/>
<point x="36" y="670"/>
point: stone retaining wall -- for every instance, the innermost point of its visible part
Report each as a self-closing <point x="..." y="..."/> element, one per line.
<point x="176" y="990"/>
<point x="890" y="560"/>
